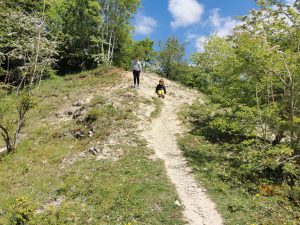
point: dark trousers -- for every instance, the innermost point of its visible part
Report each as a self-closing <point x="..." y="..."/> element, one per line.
<point x="136" y="77"/>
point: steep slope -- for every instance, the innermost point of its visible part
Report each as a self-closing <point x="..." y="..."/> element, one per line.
<point x="97" y="151"/>
<point x="81" y="160"/>
<point x="161" y="136"/>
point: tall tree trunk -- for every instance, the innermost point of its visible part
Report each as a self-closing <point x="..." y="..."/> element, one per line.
<point x="107" y="32"/>
<point x="102" y="42"/>
<point x="112" y="50"/>
<point x="109" y="49"/>
<point x="291" y="104"/>
<point x="260" y="117"/>
<point x="38" y="46"/>
<point x="5" y="135"/>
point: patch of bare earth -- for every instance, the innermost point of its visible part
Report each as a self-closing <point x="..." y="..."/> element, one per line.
<point x="56" y="203"/>
<point x="161" y="136"/>
<point x="110" y="148"/>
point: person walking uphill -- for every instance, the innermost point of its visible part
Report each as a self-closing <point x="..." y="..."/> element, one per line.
<point x="136" y="69"/>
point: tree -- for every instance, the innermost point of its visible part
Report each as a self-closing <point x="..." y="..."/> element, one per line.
<point x="253" y="82"/>
<point x="26" y="53"/>
<point x="11" y="126"/>
<point x="26" y="49"/>
<point x="216" y="66"/>
<point x="144" y="49"/>
<point x="76" y="24"/>
<point x="171" y="54"/>
<point x="274" y="51"/>
<point x="124" y="54"/>
<point x="25" y="6"/>
<point x="256" y="68"/>
<point x="116" y="15"/>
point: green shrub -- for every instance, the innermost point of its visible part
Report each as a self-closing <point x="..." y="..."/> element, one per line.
<point x="233" y="161"/>
<point x="93" y="115"/>
<point x="21" y="212"/>
<point x="98" y="100"/>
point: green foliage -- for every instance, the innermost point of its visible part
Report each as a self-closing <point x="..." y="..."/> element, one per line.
<point x="25" y="102"/>
<point x="76" y="24"/>
<point x="247" y="178"/>
<point x="93" y="115"/>
<point x="245" y="175"/>
<point x="25" y="47"/>
<point x="245" y="141"/>
<point x="105" y="116"/>
<point x="22" y="211"/>
<point x="170" y="55"/>
<point x="27" y="6"/>
<point x="144" y="50"/>
<point x="13" y="112"/>
<point x="116" y="30"/>
<point x="256" y="68"/>
<point x="86" y="33"/>
<point x="98" y="100"/>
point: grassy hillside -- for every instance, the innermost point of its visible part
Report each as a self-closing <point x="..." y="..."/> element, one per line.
<point x="223" y="170"/>
<point x="81" y="162"/>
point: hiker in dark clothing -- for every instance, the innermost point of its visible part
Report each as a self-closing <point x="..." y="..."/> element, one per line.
<point x="136" y="70"/>
<point x="161" y="89"/>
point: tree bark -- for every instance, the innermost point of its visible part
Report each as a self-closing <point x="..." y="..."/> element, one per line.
<point x="38" y="46"/>
<point x="112" y="50"/>
<point x="5" y="135"/>
<point x="109" y="49"/>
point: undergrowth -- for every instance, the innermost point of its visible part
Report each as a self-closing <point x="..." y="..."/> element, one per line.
<point x="240" y="172"/>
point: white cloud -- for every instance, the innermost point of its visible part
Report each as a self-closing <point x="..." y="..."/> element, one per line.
<point x="185" y="12"/>
<point x="215" y="18"/>
<point x="227" y="27"/>
<point x="223" y="26"/>
<point x="220" y="26"/>
<point x="144" y="25"/>
<point x="191" y="36"/>
<point x="290" y="2"/>
<point x="200" y="41"/>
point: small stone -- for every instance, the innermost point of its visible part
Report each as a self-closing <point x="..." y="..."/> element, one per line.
<point x="177" y="203"/>
<point x="93" y="150"/>
<point x="80" y="119"/>
<point x="58" y="115"/>
<point x="129" y="95"/>
<point x="78" y="112"/>
<point x="77" y="104"/>
<point x="91" y="133"/>
<point x="78" y="134"/>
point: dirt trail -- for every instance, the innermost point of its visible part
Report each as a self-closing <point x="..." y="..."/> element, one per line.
<point x="161" y="136"/>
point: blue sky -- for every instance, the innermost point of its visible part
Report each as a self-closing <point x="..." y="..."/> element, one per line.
<point x="189" y="20"/>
